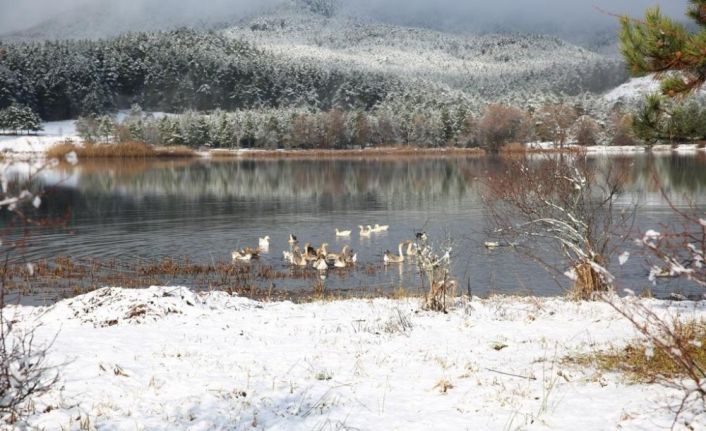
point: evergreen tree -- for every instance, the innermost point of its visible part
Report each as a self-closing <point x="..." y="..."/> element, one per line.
<point x="16" y="118"/>
<point x="660" y="45"/>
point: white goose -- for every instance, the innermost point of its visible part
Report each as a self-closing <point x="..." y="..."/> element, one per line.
<point x="382" y="228"/>
<point x="365" y="231"/>
<point x="320" y="264"/>
<point x="391" y="258"/>
<point x="264" y="243"/>
<point x="241" y="256"/>
<point x="343" y="233"/>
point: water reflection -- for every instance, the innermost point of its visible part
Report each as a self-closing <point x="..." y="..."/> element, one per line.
<point x="205" y="208"/>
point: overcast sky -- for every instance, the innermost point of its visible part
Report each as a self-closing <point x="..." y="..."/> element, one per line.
<point x="501" y="14"/>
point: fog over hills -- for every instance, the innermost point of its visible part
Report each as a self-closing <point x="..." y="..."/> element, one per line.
<point x="578" y="21"/>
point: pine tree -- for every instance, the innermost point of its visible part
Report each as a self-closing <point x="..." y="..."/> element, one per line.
<point x="660" y="45"/>
<point x="16" y="118"/>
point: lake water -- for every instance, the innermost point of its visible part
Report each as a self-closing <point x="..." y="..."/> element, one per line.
<point x="203" y="209"/>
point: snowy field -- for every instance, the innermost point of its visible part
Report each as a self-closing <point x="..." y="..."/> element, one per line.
<point x="168" y="359"/>
<point x="54" y="132"/>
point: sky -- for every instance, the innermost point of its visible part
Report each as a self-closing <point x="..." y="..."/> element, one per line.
<point x="487" y="15"/>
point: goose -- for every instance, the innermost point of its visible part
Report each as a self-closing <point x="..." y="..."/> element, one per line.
<point x="288" y="256"/>
<point x="298" y="259"/>
<point x="264" y="243"/>
<point x="292" y="239"/>
<point x="382" y="228"/>
<point x="340" y="262"/>
<point x="365" y="231"/>
<point x="322" y="251"/>
<point x="255" y="252"/>
<point x="491" y="244"/>
<point x="334" y="256"/>
<point x="391" y="258"/>
<point x="241" y="256"/>
<point x="411" y="248"/>
<point x="309" y="252"/>
<point x="352" y="259"/>
<point x="343" y="233"/>
<point x="321" y="264"/>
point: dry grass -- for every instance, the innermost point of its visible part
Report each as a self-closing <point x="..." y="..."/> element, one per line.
<point x="128" y="150"/>
<point x="643" y="363"/>
<point x="380" y="152"/>
<point x="588" y="283"/>
<point x="516" y="148"/>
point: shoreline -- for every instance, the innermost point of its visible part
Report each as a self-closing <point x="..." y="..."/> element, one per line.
<point x="44" y="144"/>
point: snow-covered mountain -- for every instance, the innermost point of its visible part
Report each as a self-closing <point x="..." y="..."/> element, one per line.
<point x="407" y="67"/>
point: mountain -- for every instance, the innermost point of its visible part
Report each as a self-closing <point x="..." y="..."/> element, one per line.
<point x="497" y="66"/>
<point x="305" y="47"/>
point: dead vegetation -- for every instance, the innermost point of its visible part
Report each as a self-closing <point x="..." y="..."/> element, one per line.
<point x="66" y="277"/>
<point x="643" y="361"/>
<point x="378" y="152"/>
<point x="561" y="205"/>
<point x="130" y="149"/>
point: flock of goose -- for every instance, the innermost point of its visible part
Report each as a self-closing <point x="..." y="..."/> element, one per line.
<point x="321" y="258"/>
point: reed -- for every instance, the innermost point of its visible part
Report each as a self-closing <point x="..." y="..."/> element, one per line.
<point x="128" y="150"/>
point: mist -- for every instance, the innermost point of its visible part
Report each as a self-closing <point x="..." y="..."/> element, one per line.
<point x="567" y="18"/>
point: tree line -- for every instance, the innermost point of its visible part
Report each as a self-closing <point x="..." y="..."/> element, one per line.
<point x="173" y="71"/>
<point x="497" y="126"/>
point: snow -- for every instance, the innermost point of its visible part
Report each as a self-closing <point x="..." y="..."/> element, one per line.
<point x="635" y="88"/>
<point x="169" y="358"/>
<point x="54" y="132"/>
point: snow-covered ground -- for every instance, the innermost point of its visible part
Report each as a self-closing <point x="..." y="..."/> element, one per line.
<point x="54" y="132"/>
<point x="636" y="89"/>
<point x="167" y="358"/>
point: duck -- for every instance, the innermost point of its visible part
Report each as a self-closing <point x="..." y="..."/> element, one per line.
<point x="382" y="228"/>
<point x="241" y="255"/>
<point x="264" y="243"/>
<point x="321" y="264"/>
<point x="365" y="231"/>
<point x="292" y="239"/>
<point x="391" y="258"/>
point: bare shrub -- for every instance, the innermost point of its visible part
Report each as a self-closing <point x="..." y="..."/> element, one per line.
<point x="622" y="130"/>
<point x="501" y="125"/>
<point x="555" y="121"/>
<point x="434" y="265"/>
<point x="24" y="371"/>
<point x="673" y="354"/>
<point x="678" y="251"/>
<point x="586" y="131"/>
<point x="565" y="204"/>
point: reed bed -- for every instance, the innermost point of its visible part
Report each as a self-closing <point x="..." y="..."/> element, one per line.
<point x="128" y="150"/>
<point x="381" y="152"/>
<point x="65" y="277"/>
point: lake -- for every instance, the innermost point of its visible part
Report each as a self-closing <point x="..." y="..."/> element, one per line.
<point x="134" y="210"/>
